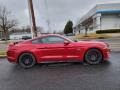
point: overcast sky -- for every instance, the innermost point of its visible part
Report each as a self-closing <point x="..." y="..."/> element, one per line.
<point x="58" y="11"/>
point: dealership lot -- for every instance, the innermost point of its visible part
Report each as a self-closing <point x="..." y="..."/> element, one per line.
<point x="61" y="76"/>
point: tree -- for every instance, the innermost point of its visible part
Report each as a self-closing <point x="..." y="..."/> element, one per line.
<point x="68" y="27"/>
<point x="6" y="22"/>
<point x="39" y="29"/>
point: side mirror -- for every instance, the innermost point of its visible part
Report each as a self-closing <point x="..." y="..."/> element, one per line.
<point x="66" y="42"/>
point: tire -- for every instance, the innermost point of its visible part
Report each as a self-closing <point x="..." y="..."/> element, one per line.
<point x="93" y="56"/>
<point x="27" y="60"/>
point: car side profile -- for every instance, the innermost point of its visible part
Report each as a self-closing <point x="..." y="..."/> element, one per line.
<point x="53" y="47"/>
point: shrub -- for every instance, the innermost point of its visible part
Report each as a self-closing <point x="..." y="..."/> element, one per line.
<point x="101" y="37"/>
<point x="108" y="31"/>
<point x="92" y="36"/>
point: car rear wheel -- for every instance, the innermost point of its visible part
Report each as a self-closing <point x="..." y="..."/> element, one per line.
<point x="27" y="60"/>
<point x="93" y="56"/>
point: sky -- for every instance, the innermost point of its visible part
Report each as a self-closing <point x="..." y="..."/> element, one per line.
<point x="58" y="12"/>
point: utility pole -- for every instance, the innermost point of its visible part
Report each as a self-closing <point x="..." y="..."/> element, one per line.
<point x="32" y="19"/>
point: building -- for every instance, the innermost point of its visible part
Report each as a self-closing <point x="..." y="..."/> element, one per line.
<point x="18" y="36"/>
<point x="101" y="17"/>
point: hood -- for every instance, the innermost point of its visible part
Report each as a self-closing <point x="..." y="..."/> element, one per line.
<point x="91" y="42"/>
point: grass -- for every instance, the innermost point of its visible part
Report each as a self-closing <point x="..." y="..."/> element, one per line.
<point x="92" y="36"/>
<point x="2" y="53"/>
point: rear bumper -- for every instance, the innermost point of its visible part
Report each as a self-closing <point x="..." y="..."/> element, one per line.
<point x="12" y="56"/>
<point x="11" y="59"/>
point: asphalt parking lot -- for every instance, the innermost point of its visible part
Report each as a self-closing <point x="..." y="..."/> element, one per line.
<point x="62" y="76"/>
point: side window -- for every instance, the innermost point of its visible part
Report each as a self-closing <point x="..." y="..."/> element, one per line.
<point x="53" y="39"/>
<point x="37" y="41"/>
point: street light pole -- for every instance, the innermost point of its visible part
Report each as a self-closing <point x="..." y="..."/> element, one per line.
<point x="32" y="19"/>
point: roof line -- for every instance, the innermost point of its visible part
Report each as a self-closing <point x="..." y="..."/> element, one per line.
<point x="108" y="11"/>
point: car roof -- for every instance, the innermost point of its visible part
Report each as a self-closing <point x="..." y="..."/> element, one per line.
<point x="45" y="35"/>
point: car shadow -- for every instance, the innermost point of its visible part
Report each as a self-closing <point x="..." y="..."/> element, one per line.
<point x="63" y="65"/>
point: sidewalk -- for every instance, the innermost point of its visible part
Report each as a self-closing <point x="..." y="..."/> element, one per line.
<point x="114" y="47"/>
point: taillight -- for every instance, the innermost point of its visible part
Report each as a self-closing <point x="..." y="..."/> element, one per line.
<point x="11" y="44"/>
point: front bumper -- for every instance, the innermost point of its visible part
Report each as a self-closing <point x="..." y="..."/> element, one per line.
<point x="106" y="54"/>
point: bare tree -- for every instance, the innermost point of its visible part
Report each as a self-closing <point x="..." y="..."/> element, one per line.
<point x="28" y="29"/>
<point x="6" y="22"/>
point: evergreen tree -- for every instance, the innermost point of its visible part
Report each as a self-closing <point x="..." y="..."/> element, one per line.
<point x="68" y="27"/>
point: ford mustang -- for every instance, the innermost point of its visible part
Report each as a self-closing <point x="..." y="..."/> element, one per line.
<point x="56" y="48"/>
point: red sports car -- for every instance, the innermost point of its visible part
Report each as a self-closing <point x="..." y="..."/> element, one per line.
<point x="52" y="47"/>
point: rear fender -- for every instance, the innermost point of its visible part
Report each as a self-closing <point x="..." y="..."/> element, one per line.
<point x="27" y="52"/>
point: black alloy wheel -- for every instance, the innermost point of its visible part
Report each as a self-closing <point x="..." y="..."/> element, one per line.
<point x="93" y="56"/>
<point x="27" y="60"/>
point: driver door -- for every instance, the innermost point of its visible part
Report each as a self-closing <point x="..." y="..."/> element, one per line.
<point x="52" y="48"/>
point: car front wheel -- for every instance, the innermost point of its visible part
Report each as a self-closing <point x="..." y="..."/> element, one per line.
<point x="27" y="60"/>
<point x="93" y="56"/>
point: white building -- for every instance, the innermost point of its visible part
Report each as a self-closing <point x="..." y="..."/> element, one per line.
<point x="101" y="17"/>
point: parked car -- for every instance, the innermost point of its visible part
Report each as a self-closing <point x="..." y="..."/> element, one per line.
<point x="53" y="47"/>
<point x="3" y="39"/>
<point x="70" y="34"/>
<point x="26" y="37"/>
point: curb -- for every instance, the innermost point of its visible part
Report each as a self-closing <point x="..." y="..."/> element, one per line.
<point x="115" y="51"/>
<point x="3" y="56"/>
